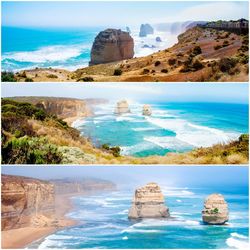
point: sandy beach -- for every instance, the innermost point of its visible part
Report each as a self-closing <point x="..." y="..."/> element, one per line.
<point x="21" y="237"/>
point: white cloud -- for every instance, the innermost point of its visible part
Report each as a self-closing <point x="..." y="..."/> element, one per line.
<point x="211" y="11"/>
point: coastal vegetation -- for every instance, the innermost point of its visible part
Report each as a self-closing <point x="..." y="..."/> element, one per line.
<point x="32" y="135"/>
<point x="197" y="56"/>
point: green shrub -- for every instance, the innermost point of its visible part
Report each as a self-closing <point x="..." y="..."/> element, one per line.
<point x="196" y="50"/>
<point x="52" y="76"/>
<point x="30" y="150"/>
<point x="28" y="80"/>
<point x="172" y="61"/>
<point x="164" y="70"/>
<point x="117" y="72"/>
<point x="157" y="63"/>
<point x="225" y="43"/>
<point x="225" y="64"/>
<point x="113" y="150"/>
<point x="197" y="65"/>
<point x="216" y="47"/>
<point x="86" y="79"/>
<point x="244" y="138"/>
<point x="145" y="71"/>
<point x="8" y="77"/>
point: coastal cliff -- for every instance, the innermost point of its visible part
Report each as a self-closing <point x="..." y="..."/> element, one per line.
<point x="63" y="108"/>
<point x="82" y="186"/>
<point x="201" y="54"/>
<point x="32" y="136"/>
<point x="23" y="200"/>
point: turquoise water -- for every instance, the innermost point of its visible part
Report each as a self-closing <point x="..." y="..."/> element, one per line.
<point x="173" y="127"/>
<point x="103" y="222"/>
<point x="67" y="48"/>
<point x="30" y="48"/>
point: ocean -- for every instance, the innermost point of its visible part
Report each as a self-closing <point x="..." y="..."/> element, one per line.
<point x="28" y="48"/>
<point x="173" y="127"/>
<point x="103" y="222"/>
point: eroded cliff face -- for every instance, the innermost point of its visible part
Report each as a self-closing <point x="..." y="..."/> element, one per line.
<point x="83" y="186"/>
<point x="25" y="199"/>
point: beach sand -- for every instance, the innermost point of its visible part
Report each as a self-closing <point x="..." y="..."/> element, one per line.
<point x="21" y="237"/>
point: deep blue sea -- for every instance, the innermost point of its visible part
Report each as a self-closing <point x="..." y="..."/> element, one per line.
<point x="27" y="48"/>
<point x="103" y="222"/>
<point x="173" y="127"/>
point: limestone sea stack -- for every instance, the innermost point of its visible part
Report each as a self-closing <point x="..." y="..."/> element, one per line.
<point x="215" y="211"/>
<point x="122" y="107"/>
<point x="148" y="202"/>
<point x="146" y="29"/>
<point x="146" y="110"/>
<point x="112" y="45"/>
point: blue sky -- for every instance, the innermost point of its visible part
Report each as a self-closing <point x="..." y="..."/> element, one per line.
<point x="80" y="14"/>
<point x="132" y="176"/>
<point x="150" y="92"/>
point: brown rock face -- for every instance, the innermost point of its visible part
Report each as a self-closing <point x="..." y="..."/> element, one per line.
<point x="112" y="45"/>
<point x="215" y="210"/>
<point x="24" y="199"/>
<point x="148" y="202"/>
<point x="146" y="110"/>
<point x="122" y="107"/>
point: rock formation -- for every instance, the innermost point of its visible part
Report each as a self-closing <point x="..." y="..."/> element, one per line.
<point x="111" y="45"/>
<point x="146" y="29"/>
<point x="83" y="185"/>
<point x="158" y="39"/>
<point x="215" y="211"/>
<point x="128" y="30"/>
<point x="24" y="200"/>
<point x="146" y="110"/>
<point x="148" y="202"/>
<point x="122" y="107"/>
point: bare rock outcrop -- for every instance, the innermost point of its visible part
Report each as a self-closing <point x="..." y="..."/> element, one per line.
<point x="112" y="45"/>
<point x="146" y="110"/>
<point x="148" y="202"/>
<point x="23" y="199"/>
<point x="215" y="211"/>
<point x="82" y="185"/>
<point x="146" y="29"/>
<point x="122" y="107"/>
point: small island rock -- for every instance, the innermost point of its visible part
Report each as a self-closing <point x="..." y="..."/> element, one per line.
<point x="112" y="45"/>
<point x="146" y="29"/>
<point x="146" y="110"/>
<point x="215" y="211"/>
<point x="122" y="107"/>
<point x="158" y="39"/>
<point x="148" y="202"/>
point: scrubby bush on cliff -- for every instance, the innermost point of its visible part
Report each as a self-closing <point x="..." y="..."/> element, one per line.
<point x="28" y="80"/>
<point x="30" y="150"/>
<point x="216" y="47"/>
<point x="117" y="72"/>
<point x="8" y="77"/>
<point x="145" y="71"/>
<point x="22" y="109"/>
<point x="164" y="70"/>
<point x="226" y="64"/>
<point x="157" y="63"/>
<point x="86" y="79"/>
<point x="172" y="61"/>
<point x="114" y="150"/>
<point x="197" y="50"/>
